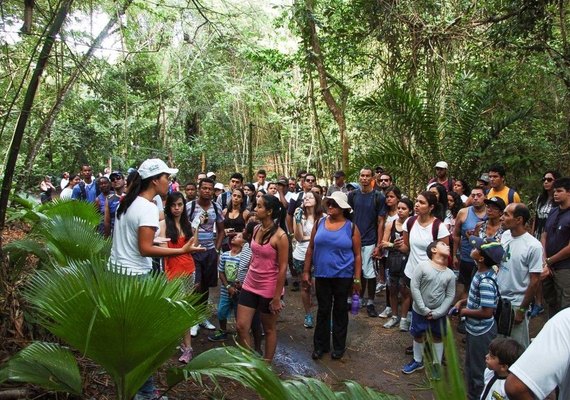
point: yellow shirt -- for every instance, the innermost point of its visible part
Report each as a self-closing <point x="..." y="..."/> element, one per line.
<point x="504" y="194"/>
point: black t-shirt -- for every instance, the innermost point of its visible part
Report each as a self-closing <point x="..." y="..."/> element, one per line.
<point x="558" y="234"/>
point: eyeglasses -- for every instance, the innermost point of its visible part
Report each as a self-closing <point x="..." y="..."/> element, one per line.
<point x="384" y="180"/>
<point x="310" y="180"/>
<point x="546" y="179"/>
<point x="333" y="204"/>
<point x="115" y="178"/>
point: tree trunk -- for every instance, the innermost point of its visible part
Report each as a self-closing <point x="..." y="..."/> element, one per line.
<point x="336" y="109"/>
<point x="66" y="88"/>
<point x="28" y="14"/>
<point x="20" y="129"/>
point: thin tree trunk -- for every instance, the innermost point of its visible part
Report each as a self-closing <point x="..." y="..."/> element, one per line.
<point x="20" y="129"/>
<point x="66" y="88"/>
<point x="336" y="109"/>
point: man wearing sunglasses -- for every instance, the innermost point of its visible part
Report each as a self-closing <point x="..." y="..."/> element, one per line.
<point x="497" y="175"/>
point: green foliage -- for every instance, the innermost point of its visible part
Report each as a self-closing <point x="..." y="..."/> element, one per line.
<point x="44" y="364"/>
<point x="252" y="372"/>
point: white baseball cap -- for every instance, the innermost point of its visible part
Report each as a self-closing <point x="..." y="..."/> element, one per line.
<point x="441" y="164"/>
<point x="219" y="186"/>
<point x="153" y="167"/>
<point x="340" y="198"/>
<point x="210" y="174"/>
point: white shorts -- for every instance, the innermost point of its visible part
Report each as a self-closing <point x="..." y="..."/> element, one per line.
<point x="368" y="270"/>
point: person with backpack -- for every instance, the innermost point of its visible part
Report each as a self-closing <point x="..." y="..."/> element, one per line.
<point x="236" y="182"/>
<point x="307" y="183"/>
<point x="480" y="308"/>
<point x="207" y="261"/>
<point x="419" y="231"/>
<point x="334" y="251"/>
<point x="87" y="189"/>
<point x="497" y="175"/>
<point x="369" y="207"/>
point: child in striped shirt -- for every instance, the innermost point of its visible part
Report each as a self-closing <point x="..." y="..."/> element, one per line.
<point x="481" y="304"/>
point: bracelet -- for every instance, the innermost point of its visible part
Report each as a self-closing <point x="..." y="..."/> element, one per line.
<point x="356" y="280"/>
<point x="522" y="309"/>
<point x="228" y="286"/>
<point x="548" y="261"/>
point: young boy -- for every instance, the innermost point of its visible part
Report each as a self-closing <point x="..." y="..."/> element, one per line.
<point x="503" y="352"/>
<point x="433" y="289"/>
<point x="481" y="304"/>
<point x="228" y="271"/>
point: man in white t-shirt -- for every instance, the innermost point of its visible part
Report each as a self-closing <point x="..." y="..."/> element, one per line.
<point x="519" y="273"/>
<point x="545" y="365"/>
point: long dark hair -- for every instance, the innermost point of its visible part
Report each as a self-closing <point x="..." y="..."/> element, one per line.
<point x="457" y="203"/>
<point x="272" y="204"/>
<point x="71" y="179"/>
<point x="231" y="202"/>
<point x="440" y="208"/>
<point x="136" y="186"/>
<point x="543" y="196"/>
<point x="171" y="229"/>
<point x="466" y="187"/>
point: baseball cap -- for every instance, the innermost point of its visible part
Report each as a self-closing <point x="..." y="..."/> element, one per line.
<point x="155" y="166"/>
<point x="219" y="186"/>
<point x="489" y="247"/>
<point x="117" y="174"/>
<point x="340" y="198"/>
<point x="210" y="174"/>
<point x="484" y="177"/>
<point x="497" y="202"/>
<point x="441" y="164"/>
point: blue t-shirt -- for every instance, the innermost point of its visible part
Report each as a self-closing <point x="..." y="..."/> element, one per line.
<point x="90" y="191"/>
<point x="482" y="293"/>
<point x="332" y="255"/>
<point x="367" y="208"/>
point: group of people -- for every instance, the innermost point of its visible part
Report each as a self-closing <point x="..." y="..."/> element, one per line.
<point x="355" y="238"/>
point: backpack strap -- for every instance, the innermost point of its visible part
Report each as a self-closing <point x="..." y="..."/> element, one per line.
<point x="192" y="208"/>
<point x="224" y="200"/>
<point x="411" y="222"/>
<point x="489" y="386"/>
<point x="435" y="228"/>
<point x="350" y="197"/>
<point x="511" y="195"/>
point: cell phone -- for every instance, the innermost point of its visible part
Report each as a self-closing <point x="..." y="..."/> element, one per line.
<point x="397" y="236"/>
<point x="230" y="230"/>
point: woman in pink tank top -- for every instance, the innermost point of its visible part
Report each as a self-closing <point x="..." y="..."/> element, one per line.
<point x="263" y="285"/>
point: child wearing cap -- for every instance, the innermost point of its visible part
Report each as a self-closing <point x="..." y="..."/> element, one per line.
<point x="481" y="304"/>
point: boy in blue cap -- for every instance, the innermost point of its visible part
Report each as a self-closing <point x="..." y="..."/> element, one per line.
<point x="481" y="304"/>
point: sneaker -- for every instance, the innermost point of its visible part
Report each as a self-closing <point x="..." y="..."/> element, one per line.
<point x="435" y="372"/>
<point x="187" y="355"/>
<point x="207" y="325"/>
<point x="386" y="313"/>
<point x="371" y="310"/>
<point x="536" y="310"/>
<point x="308" y="321"/>
<point x="194" y="330"/>
<point x="392" y="322"/>
<point x="404" y="325"/>
<point x="412" y="367"/>
<point x="219" y="336"/>
<point x="380" y="286"/>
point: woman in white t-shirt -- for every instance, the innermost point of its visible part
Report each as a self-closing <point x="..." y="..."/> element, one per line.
<point x="68" y="189"/>
<point x="136" y="228"/>
<point x="425" y="228"/>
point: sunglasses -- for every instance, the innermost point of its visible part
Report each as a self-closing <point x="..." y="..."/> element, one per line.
<point x="545" y="179"/>
<point x="115" y="178"/>
<point x="310" y="180"/>
<point x="384" y="180"/>
<point x="333" y="204"/>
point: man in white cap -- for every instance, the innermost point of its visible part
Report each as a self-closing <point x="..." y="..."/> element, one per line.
<point x="441" y="176"/>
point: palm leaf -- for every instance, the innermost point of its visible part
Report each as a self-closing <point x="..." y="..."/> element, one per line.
<point x="129" y="325"/>
<point x="251" y="371"/>
<point x="80" y="209"/>
<point x="44" y="364"/>
<point x="20" y="249"/>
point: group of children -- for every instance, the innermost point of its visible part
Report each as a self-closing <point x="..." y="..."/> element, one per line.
<point x="487" y="357"/>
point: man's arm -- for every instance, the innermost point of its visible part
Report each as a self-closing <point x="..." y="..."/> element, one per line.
<point x="516" y="389"/>
<point x="528" y="297"/>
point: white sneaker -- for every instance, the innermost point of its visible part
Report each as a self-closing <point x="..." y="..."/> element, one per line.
<point x="380" y="286"/>
<point x="392" y="322"/>
<point x="207" y="325"/>
<point x="404" y="325"/>
<point x="194" y="331"/>
<point x="386" y="313"/>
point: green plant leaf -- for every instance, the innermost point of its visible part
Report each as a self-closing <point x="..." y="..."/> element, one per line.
<point x="44" y="364"/>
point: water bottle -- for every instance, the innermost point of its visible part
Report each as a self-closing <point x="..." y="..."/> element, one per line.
<point x="355" y="304"/>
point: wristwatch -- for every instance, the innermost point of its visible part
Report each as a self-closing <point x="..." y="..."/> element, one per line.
<point x="228" y="286"/>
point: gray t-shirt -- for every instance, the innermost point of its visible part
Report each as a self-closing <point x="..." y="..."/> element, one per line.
<point x="433" y="289"/>
<point x="523" y="256"/>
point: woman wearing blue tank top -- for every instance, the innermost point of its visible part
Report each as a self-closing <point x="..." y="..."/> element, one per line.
<point x="334" y="250"/>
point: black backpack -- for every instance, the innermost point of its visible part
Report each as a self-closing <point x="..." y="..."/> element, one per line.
<point x="193" y="208"/>
<point x="504" y="314"/>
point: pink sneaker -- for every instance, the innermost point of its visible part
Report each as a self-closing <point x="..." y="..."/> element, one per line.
<point x="187" y="355"/>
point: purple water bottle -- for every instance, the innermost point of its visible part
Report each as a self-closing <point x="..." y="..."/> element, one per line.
<point x="355" y="304"/>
